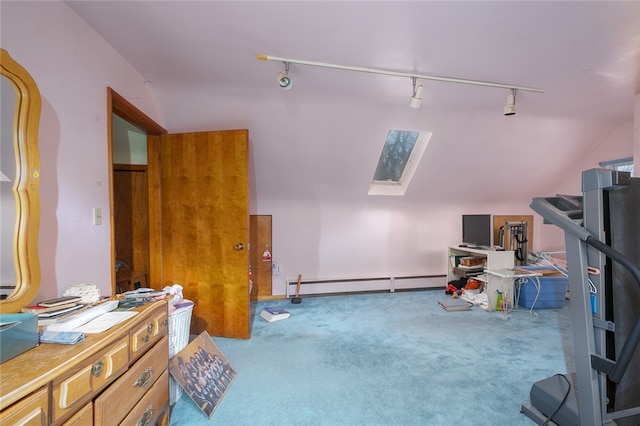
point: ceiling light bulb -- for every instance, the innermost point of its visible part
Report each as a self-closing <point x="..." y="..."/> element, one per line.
<point x="416" y="99"/>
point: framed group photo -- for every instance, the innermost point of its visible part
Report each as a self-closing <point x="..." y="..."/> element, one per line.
<point x="203" y="372"/>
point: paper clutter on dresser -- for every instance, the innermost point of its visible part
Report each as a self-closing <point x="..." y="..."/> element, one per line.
<point x="62" y="337"/>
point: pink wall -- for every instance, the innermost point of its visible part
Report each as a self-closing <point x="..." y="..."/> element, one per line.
<point x="330" y="230"/>
<point x="334" y="229"/>
<point x="72" y="66"/>
<point x="618" y="143"/>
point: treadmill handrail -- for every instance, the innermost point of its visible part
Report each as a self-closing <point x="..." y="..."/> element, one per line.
<point x="631" y="343"/>
<point x="554" y="215"/>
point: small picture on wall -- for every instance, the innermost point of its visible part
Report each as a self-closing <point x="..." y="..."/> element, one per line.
<point x="203" y="372"/>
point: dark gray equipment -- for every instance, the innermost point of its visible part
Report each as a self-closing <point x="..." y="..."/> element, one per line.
<point x="602" y="231"/>
<point x="513" y="236"/>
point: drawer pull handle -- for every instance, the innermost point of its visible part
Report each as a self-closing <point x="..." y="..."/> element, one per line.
<point x="165" y="322"/>
<point x="144" y="378"/>
<point x="146" y="417"/>
<point x="150" y="327"/>
<point x="145" y="339"/>
<point x="97" y="368"/>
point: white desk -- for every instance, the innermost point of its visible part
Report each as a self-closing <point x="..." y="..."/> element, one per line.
<point x="505" y="281"/>
<point x="494" y="259"/>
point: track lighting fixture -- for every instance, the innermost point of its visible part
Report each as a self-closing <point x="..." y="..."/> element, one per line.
<point x="416" y="99"/>
<point x="284" y="80"/>
<point x="510" y="107"/>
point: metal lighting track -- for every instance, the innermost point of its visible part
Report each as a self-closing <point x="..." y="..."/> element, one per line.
<point x="397" y="74"/>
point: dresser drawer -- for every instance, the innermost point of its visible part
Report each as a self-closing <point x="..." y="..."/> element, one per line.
<point x="152" y="406"/>
<point x="148" y="332"/>
<point x="30" y="411"/>
<point x="84" y="417"/>
<point x="87" y="383"/>
<point x="91" y="375"/>
<point x="116" y="401"/>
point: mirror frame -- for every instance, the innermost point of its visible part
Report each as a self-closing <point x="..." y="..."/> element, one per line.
<point x="25" y="139"/>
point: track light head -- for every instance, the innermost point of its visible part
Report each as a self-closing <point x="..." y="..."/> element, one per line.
<point x="284" y="81"/>
<point x="510" y="107"/>
<point x="416" y="99"/>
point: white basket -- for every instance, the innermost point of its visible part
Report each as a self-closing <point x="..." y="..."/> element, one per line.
<point x="179" y="324"/>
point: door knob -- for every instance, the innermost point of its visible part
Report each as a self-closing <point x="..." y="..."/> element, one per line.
<point x="239" y="246"/>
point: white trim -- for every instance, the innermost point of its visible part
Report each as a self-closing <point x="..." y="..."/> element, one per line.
<point x="351" y="285"/>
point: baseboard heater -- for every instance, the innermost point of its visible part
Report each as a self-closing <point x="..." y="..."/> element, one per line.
<point x="357" y="285"/>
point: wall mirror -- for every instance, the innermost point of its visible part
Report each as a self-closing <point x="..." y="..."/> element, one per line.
<point x="19" y="182"/>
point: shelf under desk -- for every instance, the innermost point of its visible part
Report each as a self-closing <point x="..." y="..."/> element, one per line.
<point x="506" y="281"/>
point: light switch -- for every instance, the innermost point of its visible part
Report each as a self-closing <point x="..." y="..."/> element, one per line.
<point x="97" y="216"/>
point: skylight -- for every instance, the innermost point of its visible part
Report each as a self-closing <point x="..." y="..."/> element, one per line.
<point x="399" y="159"/>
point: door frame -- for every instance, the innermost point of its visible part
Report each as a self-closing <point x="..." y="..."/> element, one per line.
<point x="118" y="105"/>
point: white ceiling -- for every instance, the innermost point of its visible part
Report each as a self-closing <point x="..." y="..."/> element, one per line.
<point x="584" y="55"/>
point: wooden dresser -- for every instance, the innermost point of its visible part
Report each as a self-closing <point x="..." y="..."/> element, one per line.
<point x="116" y="377"/>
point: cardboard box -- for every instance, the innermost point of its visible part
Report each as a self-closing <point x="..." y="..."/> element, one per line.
<point x="132" y="281"/>
<point x="18" y="333"/>
<point x="553" y="290"/>
<point x="472" y="260"/>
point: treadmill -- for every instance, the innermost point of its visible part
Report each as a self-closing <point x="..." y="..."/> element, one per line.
<point x="602" y="235"/>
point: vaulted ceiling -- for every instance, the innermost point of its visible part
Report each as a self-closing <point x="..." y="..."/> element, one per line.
<point x="199" y="59"/>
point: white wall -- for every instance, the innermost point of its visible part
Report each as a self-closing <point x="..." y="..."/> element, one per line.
<point x="128" y="143"/>
<point x="72" y="66"/>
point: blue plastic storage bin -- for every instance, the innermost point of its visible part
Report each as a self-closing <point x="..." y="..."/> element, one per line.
<point x="19" y="334"/>
<point x="553" y="290"/>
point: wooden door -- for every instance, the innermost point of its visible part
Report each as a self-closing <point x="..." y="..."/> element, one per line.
<point x="260" y="226"/>
<point x="199" y="220"/>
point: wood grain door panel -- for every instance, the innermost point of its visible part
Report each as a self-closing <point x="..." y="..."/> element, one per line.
<point x="260" y="232"/>
<point x="203" y="216"/>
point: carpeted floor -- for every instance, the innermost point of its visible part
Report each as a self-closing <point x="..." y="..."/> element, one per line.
<point x="387" y="359"/>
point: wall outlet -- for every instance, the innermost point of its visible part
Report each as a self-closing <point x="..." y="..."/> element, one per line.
<point x="275" y="269"/>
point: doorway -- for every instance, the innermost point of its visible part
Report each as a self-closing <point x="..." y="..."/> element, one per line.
<point x="197" y="195"/>
<point x="130" y="205"/>
<point x="129" y="194"/>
